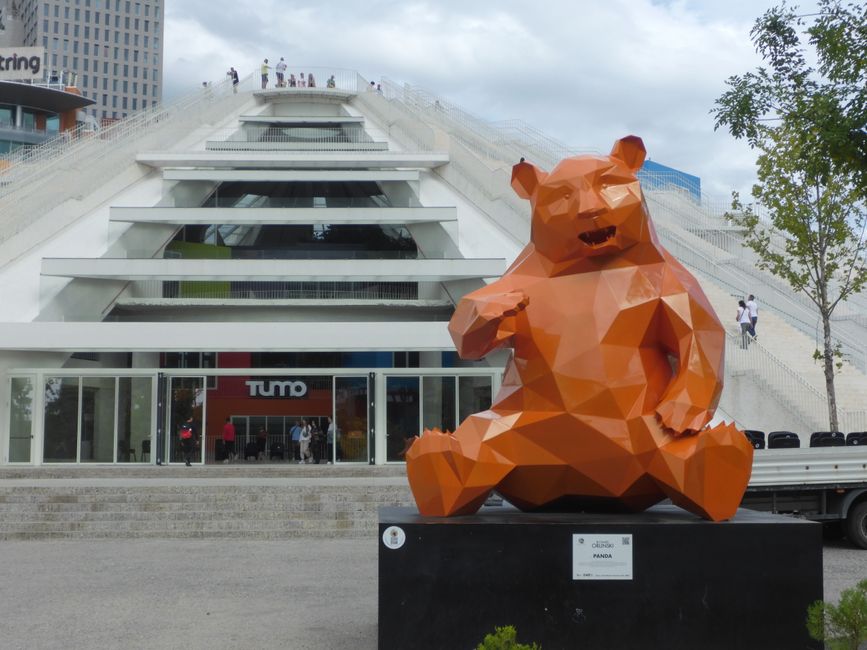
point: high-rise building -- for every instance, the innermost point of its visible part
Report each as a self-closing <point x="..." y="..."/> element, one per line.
<point x="111" y="49"/>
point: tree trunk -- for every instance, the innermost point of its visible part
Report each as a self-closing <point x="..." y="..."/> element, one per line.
<point x="828" y="357"/>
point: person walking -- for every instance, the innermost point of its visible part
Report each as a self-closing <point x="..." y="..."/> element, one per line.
<point x="753" y="307"/>
<point x="229" y="441"/>
<point x="233" y="76"/>
<point x="187" y="435"/>
<point x="743" y="319"/>
<point x="264" y="69"/>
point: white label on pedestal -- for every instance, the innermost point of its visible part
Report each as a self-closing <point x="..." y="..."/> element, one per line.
<point x="393" y="537"/>
<point x="601" y="557"/>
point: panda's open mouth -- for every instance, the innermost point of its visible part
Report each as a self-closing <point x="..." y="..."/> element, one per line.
<point x="597" y="237"/>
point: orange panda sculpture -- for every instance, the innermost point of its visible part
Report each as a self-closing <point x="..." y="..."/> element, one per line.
<point x="616" y="371"/>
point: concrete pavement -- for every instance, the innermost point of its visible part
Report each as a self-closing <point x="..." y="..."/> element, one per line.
<point x="215" y="595"/>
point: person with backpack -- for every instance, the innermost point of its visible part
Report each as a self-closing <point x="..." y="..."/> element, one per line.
<point x="187" y="435"/>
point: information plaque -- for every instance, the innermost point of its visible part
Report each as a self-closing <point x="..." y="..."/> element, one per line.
<point x="601" y="557"/>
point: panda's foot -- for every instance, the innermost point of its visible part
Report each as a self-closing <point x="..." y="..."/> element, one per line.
<point x="706" y="473"/>
<point x="443" y="479"/>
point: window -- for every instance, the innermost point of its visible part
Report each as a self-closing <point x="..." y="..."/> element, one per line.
<point x="406" y="359"/>
<point x="192" y="360"/>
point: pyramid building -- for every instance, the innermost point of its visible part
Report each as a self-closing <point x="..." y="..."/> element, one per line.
<point x="269" y="256"/>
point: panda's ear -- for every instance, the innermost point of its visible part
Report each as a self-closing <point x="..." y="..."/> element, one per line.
<point x="526" y="178"/>
<point x="630" y="151"/>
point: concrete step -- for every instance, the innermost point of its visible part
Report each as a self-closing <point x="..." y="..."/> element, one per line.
<point x="792" y="348"/>
<point x="223" y="502"/>
<point x="252" y="469"/>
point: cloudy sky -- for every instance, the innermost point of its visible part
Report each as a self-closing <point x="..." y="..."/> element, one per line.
<point x="585" y="72"/>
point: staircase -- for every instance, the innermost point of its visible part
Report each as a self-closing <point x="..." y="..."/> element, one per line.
<point x="214" y="502"/>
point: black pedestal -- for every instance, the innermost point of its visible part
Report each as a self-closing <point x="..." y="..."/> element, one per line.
<point x="663" y="579"/>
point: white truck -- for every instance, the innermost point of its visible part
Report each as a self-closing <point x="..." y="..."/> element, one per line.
<point x="824" y="484"/>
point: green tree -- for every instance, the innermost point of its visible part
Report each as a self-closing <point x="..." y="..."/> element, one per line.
<point x="808" y="125"/>
<point x="842" y="626"/>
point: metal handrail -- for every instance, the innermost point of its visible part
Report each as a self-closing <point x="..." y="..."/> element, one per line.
<point x="40" y="178"/>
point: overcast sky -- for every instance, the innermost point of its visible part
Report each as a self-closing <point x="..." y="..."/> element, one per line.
<point x="585" y="72"/>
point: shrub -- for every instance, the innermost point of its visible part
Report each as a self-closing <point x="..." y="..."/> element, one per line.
<point x="842" y="626"/>
<point x="504" y="638"/>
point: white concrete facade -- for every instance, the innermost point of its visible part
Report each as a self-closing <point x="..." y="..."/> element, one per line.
<point x="89" y="319"/>
<point x="195" y="254"/>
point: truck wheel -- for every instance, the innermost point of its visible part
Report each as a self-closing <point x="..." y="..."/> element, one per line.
<point x="856" y="525"/>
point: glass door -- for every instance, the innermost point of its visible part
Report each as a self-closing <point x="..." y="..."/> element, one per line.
<point x="21" y="420"/>
<point x="351" y="443"/>
<point x="402" y="415"/>
<point x="186" y="401"/>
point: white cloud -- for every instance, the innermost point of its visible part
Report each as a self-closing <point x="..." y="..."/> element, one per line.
<point x="583" y="71"/>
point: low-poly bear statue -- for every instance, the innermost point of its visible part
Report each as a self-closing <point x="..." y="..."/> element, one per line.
<point x="616" y="369"/>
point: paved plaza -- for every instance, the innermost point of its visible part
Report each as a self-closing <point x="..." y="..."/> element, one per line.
<point x="214" y="594"/>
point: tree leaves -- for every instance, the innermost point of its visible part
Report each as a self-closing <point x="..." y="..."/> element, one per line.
<point x="809" y="127"/>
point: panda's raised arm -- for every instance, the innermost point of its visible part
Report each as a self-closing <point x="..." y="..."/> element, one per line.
<point x="486" y="319"/>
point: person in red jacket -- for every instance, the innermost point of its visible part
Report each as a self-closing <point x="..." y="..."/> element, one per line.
<point x="229" y="441"/>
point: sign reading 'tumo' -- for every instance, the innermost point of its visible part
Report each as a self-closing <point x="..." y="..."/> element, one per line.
<point x="277" y="388"/>
<point x="21" y="62"/>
